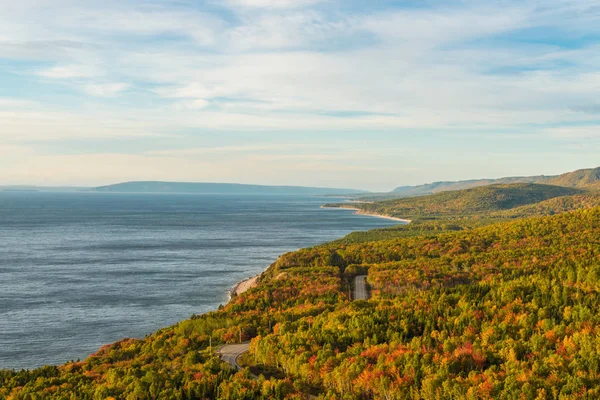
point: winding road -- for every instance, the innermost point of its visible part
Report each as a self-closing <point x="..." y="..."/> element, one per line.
<point x="230" y="352"/>
<point x="360" y="288"/>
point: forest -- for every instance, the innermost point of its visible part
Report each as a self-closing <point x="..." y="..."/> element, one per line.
<point x="491" y="293"/>
<point x="488" y="199"/>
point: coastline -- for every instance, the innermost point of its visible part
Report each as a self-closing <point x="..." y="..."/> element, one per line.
<point x="249" y="283"/>
<point x="362" y="212"/>
<point x="243" y="286"/>
<point x="245" y="283"/>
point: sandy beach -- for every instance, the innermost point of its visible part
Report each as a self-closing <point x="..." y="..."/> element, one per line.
<point x="244" y="286"/>
<point x="361" y="212"/>
<point x="249" y="283"/>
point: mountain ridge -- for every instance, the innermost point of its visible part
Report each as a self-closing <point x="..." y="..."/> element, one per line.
<point x="582" y="178"/>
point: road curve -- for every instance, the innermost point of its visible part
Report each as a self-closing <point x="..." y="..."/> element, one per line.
<point x="360" y="288"/>
<point x="230" y="353"/>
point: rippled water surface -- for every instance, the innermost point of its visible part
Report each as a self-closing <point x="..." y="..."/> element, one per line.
<point x="79" y="270"/>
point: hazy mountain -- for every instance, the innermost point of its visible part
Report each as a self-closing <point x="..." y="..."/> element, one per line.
<point x="584" y="178"/>
<point x="220" y="188"/>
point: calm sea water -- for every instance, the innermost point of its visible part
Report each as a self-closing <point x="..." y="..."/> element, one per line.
<point x="79" y="270"/>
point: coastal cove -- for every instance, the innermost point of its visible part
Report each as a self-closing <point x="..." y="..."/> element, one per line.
<point x="252" y="282"/>
<point x="359" y="211"/>
<point x="82" y="270"/>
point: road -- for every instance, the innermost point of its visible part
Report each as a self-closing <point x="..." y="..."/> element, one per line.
<point x="230" y="353"/>
<point x="360" y="288"/>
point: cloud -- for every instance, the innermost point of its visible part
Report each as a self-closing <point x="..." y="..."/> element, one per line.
<point x="261" y="68"/>
<point x="295" y="30"/>
<point x="69" y="71"/>
<point x="102" y="22"/>
<point x="446" y="24"/>
<point x="278" y="4"/>
<point x="196" y="104"/>
<point x="105" y="89"/>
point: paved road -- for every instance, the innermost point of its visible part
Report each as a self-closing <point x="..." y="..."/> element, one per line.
<point x="360" y="288"/>
<point x="230" y="353"/>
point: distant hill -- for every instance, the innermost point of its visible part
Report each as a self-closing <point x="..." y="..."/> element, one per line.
<point x="483" y="199"/>
<point x="221" y="188"/>
<point x="444" y="186"/>
<point x="584" y="179"/>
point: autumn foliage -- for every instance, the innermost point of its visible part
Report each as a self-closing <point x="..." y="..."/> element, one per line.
<point x="503" y="311"/>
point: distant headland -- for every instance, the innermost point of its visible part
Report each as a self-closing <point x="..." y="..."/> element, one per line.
<point x="221" y="188"/>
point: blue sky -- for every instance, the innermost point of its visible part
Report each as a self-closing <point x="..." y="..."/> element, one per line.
<point x="365" y="94"/>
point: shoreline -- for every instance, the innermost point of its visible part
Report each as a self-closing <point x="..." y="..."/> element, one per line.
<point x="243" y="286"/>
<point x="249" y="283"/>
<point x="369" y="214"/>
<point x="237" y="289"/>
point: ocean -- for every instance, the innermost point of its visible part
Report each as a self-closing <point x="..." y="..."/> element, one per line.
<point x="80" y="270"/>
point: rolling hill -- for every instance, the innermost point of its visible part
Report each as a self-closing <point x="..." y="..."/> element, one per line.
<point x="484" y="199"/>
<point x="584" y="179"/>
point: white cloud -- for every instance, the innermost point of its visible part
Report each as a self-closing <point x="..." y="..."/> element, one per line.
<point x="105" y="89"/>
<point x="287" y="30"/>
<point x="198" y="90"/>
<point x="145" y="21"/>
<point x="272" y="3"/>
<point x="286" y="67"/>
<point x="427" y="26"/>
<point x="69" y="71"/>
<point x="196" y="104"/>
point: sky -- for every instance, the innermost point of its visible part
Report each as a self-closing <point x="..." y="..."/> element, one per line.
<point x="338" y="93"/>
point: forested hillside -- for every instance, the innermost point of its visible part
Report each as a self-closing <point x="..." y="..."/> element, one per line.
<point x="459" y="203"/>
<point x="465" y="217"/>
<point x="495" y="304"/>
<point x="583" y="178"/>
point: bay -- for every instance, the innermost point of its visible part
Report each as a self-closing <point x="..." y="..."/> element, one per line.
<point x="79" y="270"/>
